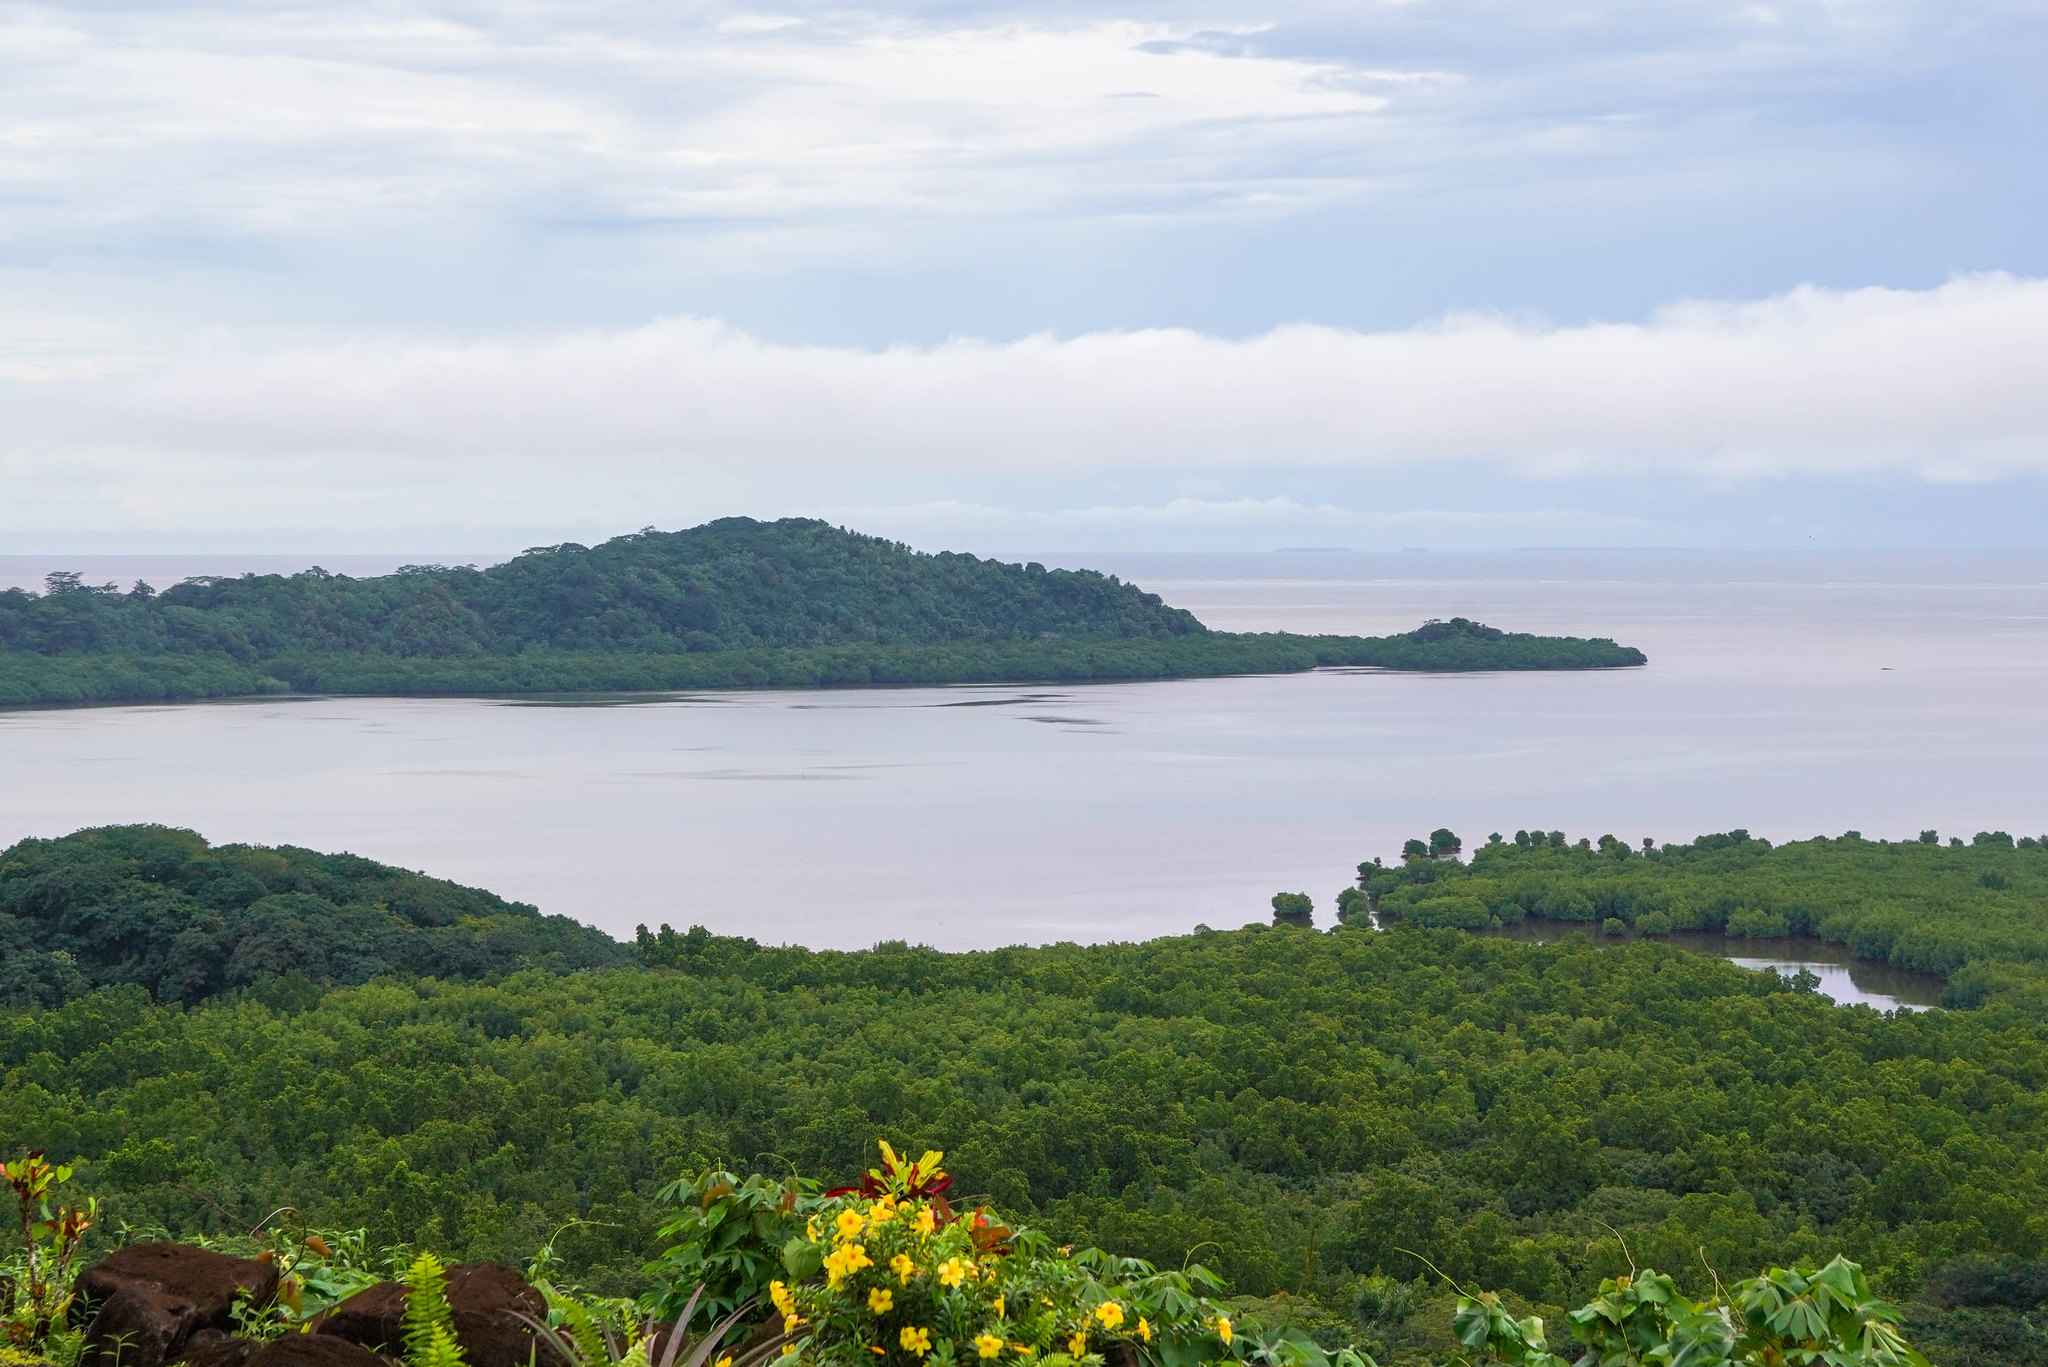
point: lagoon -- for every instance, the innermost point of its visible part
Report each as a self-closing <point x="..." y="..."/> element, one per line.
<point x="1794" y="696"/>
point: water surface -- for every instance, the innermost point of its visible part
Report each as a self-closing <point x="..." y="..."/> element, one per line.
<point x="1792" y="698"/>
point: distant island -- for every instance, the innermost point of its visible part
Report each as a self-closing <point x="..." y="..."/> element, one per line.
<point x="735" y="603"/>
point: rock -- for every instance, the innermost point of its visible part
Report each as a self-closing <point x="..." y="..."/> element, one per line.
<point x="313" y="1350"/>
<point x="139" y="1326"/>
<point x="211" y="1348"/>
<point x="487" y="1299"/>
<point x="210" y="1281"/>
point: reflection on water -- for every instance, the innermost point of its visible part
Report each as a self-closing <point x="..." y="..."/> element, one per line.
<point x="1843" y="977"/>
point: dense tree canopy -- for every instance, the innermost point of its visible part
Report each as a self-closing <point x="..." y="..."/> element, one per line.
<point x="731" y="603"/>
<point x="183" y="920"/>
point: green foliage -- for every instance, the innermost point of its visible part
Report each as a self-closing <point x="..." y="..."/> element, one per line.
<point x="733" y="603"/>
<point x="724" y="1242"/>
<point x="162" y="909"/>
<point x="1786" y="1317"/>
<point x="1976" y="913"/>
<point x="1299" y="1107"/>
<point x="429" y="1323"/>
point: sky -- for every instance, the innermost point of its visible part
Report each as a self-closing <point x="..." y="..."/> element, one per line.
<point x="1464" y="274"/>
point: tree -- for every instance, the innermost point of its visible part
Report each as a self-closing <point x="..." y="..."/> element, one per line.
<point x="1293" y="909"/>
<point x="1444" y="844"/>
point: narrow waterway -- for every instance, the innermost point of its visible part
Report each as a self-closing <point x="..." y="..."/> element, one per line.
<point x="1843" y="977"/>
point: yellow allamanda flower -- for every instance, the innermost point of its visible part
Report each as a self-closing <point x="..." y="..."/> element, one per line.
<point x="811" y="1229"/>
<point x="999" y="1307"/>
<point x="1023" y="1349"/>
<point x="1144" y="1329"/>
<point x="988" y="1345"/>
<point x="848" y="1224"/>
<point x="883" y="1212"/>
<point x="843" y="1261"/>
<point x="779" y="1293"/>
<point x="881" y="1300"/>
<point x="790" y="1322"/>
<point x="903" y="1267"/>
<point x="725" y="1361"/>
<point x="953" y="1272"/>
<point x="918" y="1341"/>
<point x="1223" y="1327"/>
<point x="1078" y="1344"/>
<point x="1110" y="1313"/>
<point x="925" y="1222"/>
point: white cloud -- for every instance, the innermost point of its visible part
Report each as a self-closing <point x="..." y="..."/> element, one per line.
<point x="1940" y="384"/>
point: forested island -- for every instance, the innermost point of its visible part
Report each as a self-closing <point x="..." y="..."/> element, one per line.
<point x="733" y="603"/>
<point x="1322" y="1118"/>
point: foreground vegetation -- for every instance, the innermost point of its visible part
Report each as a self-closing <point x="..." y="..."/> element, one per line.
<point x="734" y="603"/>
<point x="776" y="1272"/>
<point x="1975" y="913"/>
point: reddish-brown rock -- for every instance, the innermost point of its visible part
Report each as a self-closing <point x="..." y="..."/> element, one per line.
<point x="487" y="1300"/>
<point x="313" y="1350"/>
<point x="211" y="1281"/>
<point x="139" y="1326"/>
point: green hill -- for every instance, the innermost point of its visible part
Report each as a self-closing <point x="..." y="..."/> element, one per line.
<point x="732" y="603"/>
<point x="162" y="909"/>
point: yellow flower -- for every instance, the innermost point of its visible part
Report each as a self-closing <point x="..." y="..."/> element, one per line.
<point x="1144" y="1329"/>
<point x="779" y="1293"/>
<point x="918" y="1341"/>
<point x="848" y="1224"/>
<point x="811" y="1229"/>
<point x="1023" y="1349"/>
<point x="725" y="1361"/>
<point x="1110" y="1313"/>
<point x="999" y="1307"/>
<point x="884" y="1211"/>
<point x="880" y="1300"/>
<point x="925" y="1222"/>
<point x="1078" y="1344"/>
<point x="790" y="1322"/>
<point x="1223" y="1328"/>
<point x="877" y="1350"/>
<point x="903" y="1268"/>
<point x="843" y="1261"/>
<point x="988" y="1345"/>
<point x="953" y="1272"/>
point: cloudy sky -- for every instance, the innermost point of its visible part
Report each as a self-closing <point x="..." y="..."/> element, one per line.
<point x="405" y="275"/>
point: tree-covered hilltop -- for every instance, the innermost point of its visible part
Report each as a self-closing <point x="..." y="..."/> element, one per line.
<point x="161" y="909"/>
<point x="1976" y="913"/>
<point x="731" y="584"/>
<point x="733" y="603"/>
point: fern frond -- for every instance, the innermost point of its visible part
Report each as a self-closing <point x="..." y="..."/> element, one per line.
<point x="429" y="1322"/>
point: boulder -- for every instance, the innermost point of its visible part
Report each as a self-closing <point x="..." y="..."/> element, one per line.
<point x="210" y="1281"/>
<point x="139" y="1326"/>
<point x="211" y="1348"/>
<point x="487" y="1300"/>
<point x="313" y="1350"/>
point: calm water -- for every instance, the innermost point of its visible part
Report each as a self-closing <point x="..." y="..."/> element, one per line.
<point x="1793" y="697"/>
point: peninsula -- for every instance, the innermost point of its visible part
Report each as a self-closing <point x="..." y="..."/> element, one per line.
<point x="734" y="603"/>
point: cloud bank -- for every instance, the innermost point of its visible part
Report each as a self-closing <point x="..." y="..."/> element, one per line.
<point x="694" y="417"/>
